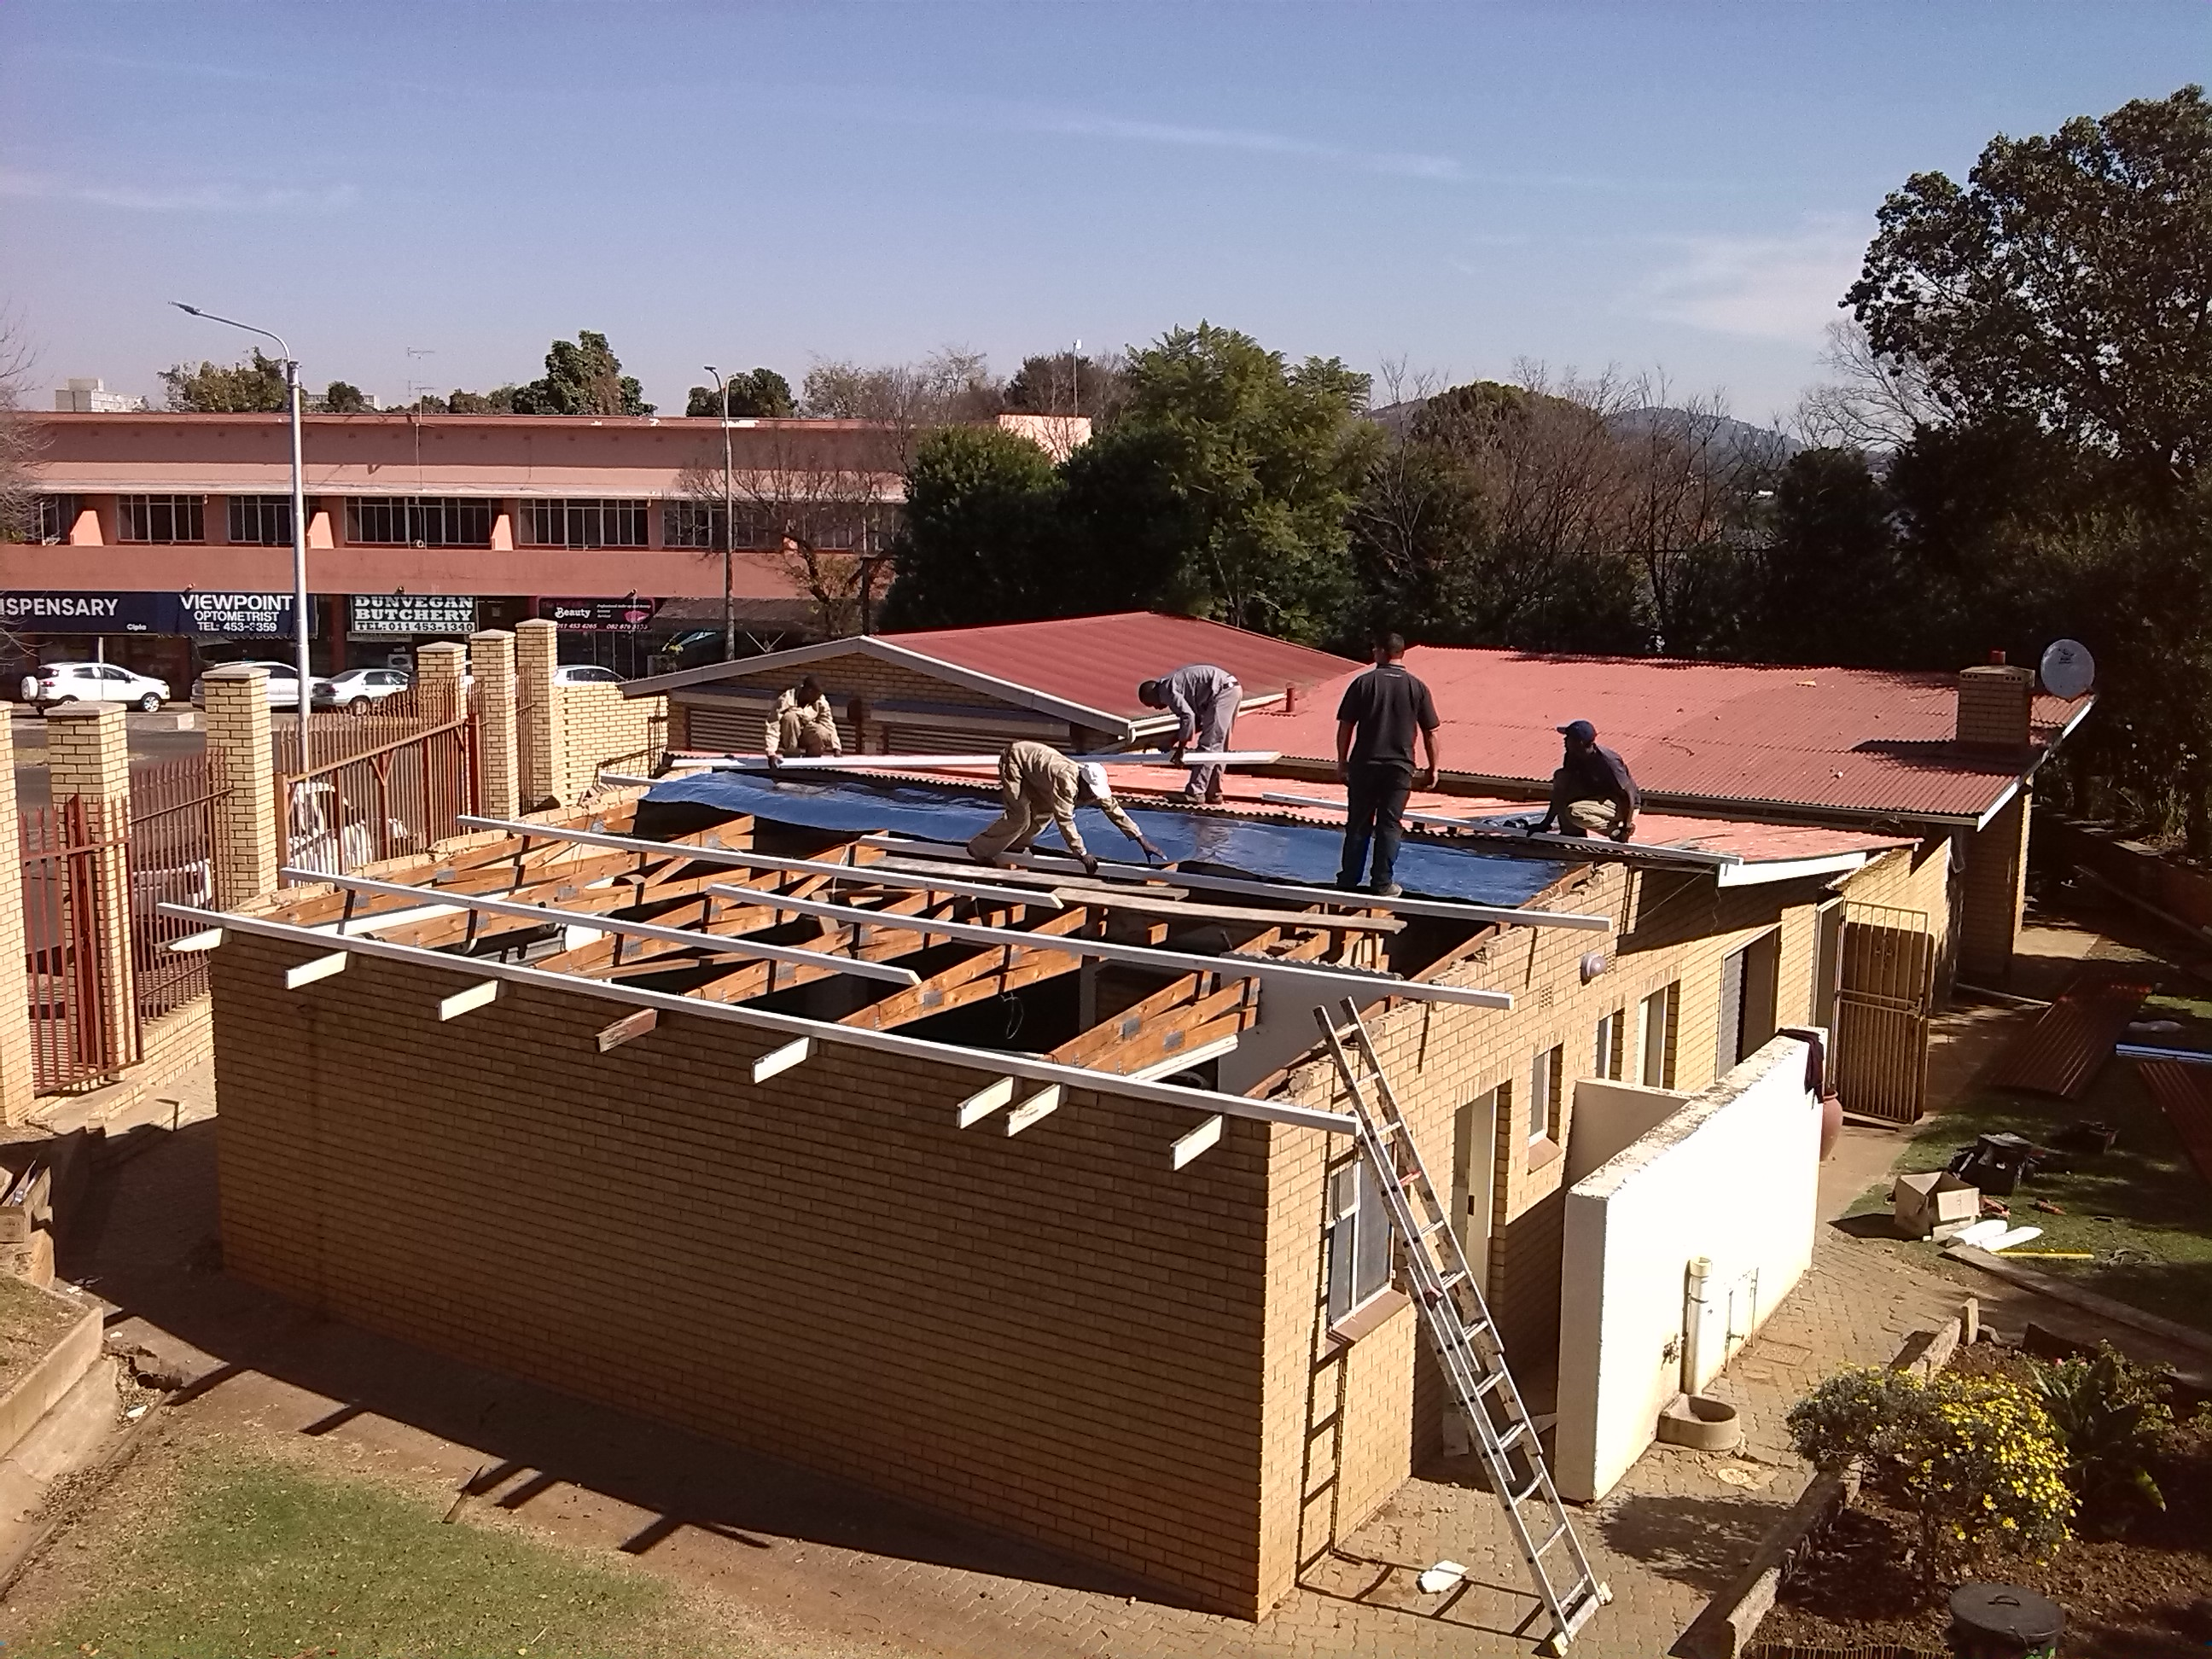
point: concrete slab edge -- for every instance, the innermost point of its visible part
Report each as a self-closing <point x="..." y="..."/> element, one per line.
<point x="54" y="1376"/>
<point x="2088" y="1301"/>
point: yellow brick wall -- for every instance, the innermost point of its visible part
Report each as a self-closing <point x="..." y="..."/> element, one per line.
<point x="599" y="725"/>
<point x="1053" y="1334"/>
<point x="1994" y="888"/>
<point x="1915" y="878"/>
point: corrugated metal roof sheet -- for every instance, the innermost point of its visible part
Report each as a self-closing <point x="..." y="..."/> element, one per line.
<point x="1097" y="661"/>
<point x="1856" y="739"/>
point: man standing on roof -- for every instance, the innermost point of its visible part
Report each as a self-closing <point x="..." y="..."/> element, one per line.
<point x="1041" y="786"/>
<point x="801" y="724"/>
<point x="1375" y="726"/>
<point x="1204" y="699"/>
<point x="1592" y="789"/>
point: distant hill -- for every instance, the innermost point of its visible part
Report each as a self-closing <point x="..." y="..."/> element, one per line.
<point x="1738" y="437"/>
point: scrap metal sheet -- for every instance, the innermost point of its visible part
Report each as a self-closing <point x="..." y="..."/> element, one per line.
<point x="1274" y="852"/>
<point x="2070" y="1042"/>
<point x="2183" y="1092"/>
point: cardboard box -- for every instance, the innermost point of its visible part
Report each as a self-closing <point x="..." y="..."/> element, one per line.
<point x="1936" y="1205"/>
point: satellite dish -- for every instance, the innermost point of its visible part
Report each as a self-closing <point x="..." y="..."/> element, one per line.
<point x="2067" y="669"/>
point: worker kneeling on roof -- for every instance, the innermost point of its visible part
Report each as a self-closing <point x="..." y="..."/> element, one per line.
<point x="1592" y="789"/>
<point x="1204" y="699"/>
<point x="1041" y="786"/>
<point x="802" y="724"/>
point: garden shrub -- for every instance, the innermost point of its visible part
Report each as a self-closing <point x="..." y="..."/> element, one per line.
<point x="2113" y="1420"/>
<point x="1975" y="1458"/>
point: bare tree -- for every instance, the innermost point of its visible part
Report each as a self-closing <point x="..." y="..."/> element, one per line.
<point x="1874" y="403"/>
<point x="948" y="387"/>
<point x="20" y="438"/>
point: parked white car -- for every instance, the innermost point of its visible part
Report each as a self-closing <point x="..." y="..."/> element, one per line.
<point x="584" y="673"/>
<point x="283" y="686"/>
<point x="57" y="683"/>
<point x="359" y="690"/>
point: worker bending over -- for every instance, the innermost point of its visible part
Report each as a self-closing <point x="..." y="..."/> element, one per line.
<point x="1592" y="789"/>
<point x="1204" y="699"/>
<point x="1041" y="786"/>
<point x="802" y="724"/>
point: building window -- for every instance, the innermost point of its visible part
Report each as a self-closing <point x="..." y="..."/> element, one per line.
<point x="699" y="524"/>
<point x="1545" y="1080"/>
<point x="162" y="517"/>
<point x="418" y="521"/>
<point x="1605" y="1060"/>
<point x="56" y="518"/>
<point x="1747" y="1001"/>
<point x="261" y="520"/>
<point x="1358" y="1240"/>
<point x="1658" y="1044"/>
<point x="591" y="523"/>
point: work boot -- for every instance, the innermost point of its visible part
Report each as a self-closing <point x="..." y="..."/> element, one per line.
<point x="1387" y="889"/>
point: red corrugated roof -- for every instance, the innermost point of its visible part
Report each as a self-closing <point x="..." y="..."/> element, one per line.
<point x="1856" y="739"/>
<point x="1097" y="661"/>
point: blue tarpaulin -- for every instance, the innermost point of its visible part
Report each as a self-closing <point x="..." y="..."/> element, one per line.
<point x="1276" y="852"/>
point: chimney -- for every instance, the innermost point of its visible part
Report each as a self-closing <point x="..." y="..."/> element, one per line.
<point x="1290" y="700"/>
<point x="1995" y="706"/>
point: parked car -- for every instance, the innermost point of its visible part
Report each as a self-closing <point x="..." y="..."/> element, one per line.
<point x="359" y="690"/>
<point x="284" y="684"/>
<point x="56" y="683"/>
<point x="585" y="673"/>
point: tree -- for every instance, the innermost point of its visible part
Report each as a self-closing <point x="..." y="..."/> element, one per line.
<point x="340" y="398"/>
<point x="2068" y="283"/>
<point x="1267" y="460"/>
<point x="582" y="376"/>
<point x="762" y="395"/>
<point x="500" y="400"/>
<point x="20" y="440"/>
<point x="978" y="539"/>
<point x="1833" y="593"/>
<point x="1874" y="403"/>
<point x="256" y="387"/>
<point x="1066" y="383"/>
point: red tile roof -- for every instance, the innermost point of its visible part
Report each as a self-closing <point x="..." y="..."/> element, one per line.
<point x="1097" y="661"/>
<point x="1859" y="740"/>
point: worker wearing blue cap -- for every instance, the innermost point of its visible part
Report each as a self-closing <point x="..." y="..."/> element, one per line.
<point x="1592" y="789"/>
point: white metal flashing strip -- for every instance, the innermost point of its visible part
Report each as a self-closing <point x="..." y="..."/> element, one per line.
<point x="1749" y="874"/>
<point x="1201" y="1139"/>
<point x="1009" y="1065"/>
<point x="2144" y="1051"/>
<point x="713" y="851"/>
<point x="1188" y="1058"/>
<point x="1330" y="981"/>
<point x="730" y="945"/>
<point x="948" y="762"/>
<point x="1448" y="909"/>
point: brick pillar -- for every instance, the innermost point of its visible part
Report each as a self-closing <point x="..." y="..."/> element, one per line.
<point x="88" y="759"/>
<point x="1995" y="889"/>
<point x="14" y="993"/>
<point x="238" y="731"/>
<point x="438" y="693"/>
<point x="491" y="660"/>
<point x="541" y="734"/>
<point x="1996" y="705"/>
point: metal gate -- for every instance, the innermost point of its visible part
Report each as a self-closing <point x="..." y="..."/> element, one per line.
<point x="1887" y="987"/>
<point x="175" y="841"/>
<point x="71" y="854"/>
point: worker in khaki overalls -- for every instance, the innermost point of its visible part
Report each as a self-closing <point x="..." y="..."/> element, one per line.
<point x="1040" y="784"/>
<point x="802" y="724"/>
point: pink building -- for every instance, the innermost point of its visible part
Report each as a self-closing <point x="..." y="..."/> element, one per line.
<point x="167" y="537"/>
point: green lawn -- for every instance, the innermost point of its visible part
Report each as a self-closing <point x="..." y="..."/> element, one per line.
<point x="2141" y="1209"/>
<point x="251" y="1557"/>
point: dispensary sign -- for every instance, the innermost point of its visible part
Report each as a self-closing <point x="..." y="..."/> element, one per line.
<point x="226" y="616"/>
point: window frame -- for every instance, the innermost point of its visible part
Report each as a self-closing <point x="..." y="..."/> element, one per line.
<point x="53" y="518"/>
<point x="1546" y="1087"/>
<point x="140" y="519"/>
<point x="1656" y="1064"/>
<point x="451" y="517"/>
<point x="1357" y="1241"/>
<point x="585" y="521"/>
<point x="1608" y="1047"/>
<point x="274" y="514"/>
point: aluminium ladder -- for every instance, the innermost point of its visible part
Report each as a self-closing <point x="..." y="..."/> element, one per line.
<point x="1466" y="1339"/>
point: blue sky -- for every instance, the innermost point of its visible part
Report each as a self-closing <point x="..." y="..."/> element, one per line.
<point x="1679" y="187"/>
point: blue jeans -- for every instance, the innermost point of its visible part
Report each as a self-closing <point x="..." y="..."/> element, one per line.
<point x="1375" y="796"/>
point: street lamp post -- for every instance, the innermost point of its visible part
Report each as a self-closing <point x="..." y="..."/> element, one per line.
<point x="729" y="529"/>
<point x="303" y="699"/>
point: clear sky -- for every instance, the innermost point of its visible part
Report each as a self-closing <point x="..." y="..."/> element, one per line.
<point x="1684" y="187"/>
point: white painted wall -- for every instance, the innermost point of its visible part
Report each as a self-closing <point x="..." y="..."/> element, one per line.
<point x="1733" y="1175"/>
<point x="1610" y="1117"/>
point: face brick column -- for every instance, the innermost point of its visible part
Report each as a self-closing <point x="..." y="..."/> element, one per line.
<point x="542" y="733"/>
<point x="491" y="660"/>
<point x="439" y="692"/>
<point x="238" y="732"/>
<point x="88" y="759"/>
<point x="14" y="996"/>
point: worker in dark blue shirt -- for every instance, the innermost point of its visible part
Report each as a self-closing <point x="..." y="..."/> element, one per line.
<point x="1375" y="726"/>
<point x="1592" y="789"/>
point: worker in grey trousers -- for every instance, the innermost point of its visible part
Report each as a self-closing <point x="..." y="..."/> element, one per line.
<point x="1204" y="701"/>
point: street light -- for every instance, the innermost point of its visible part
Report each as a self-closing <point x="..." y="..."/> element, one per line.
<point x="298" y="521"/>
<point x="729" y="529"/>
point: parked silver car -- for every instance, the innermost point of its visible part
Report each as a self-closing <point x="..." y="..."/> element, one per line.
<point x="283" y="685"/>
<point x="359" y="690"/>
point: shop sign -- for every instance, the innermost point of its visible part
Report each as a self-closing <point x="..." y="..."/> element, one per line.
<point x="263" y="615"/>
<point x="625" y="616"/>
<point x="380" y="614"/>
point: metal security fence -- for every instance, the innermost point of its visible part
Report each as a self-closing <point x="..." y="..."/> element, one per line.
<point x="395" y="787"/>
<point x="175" y="841"/>
<point x="72" y="851"/>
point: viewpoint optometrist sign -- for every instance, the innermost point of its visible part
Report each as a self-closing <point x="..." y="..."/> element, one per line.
<point x="232" y="616"/>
